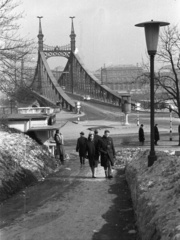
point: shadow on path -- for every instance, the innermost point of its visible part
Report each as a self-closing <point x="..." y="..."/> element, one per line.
<point x="120" y="216"/>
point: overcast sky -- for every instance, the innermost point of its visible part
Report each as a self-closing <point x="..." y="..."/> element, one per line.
<point x="105" y="31"/>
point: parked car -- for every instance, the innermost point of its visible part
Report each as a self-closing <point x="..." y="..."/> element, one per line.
<point x="86" y="98"/>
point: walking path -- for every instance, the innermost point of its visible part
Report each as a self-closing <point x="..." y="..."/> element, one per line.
<point x="69" y="205"/>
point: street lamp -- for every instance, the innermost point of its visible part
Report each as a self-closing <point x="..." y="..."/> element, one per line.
<point x="138" y="107"/>
<point x="170" y="131"/>
<point x="10" y="101"/>
<point x="152" y="34"/>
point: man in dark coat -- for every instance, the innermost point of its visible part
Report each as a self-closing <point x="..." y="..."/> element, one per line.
<point x="81" y="148"/>
<point x="58" y="137"/>
<point x="141" y="134"/>
<point x="156" y="134"/>
<point x="91" y="154"/>
<point x="97" y="140"/>
<point x="107" y="150"/>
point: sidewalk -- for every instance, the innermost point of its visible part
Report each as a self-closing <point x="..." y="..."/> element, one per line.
<point x="71" y="128"/>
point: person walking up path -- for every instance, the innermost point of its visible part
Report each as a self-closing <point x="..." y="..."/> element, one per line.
<point x="97" y="140"/>
<point x="91" y="154"/>
<point x="81" y="148"/>
<point x="107" y="151"/>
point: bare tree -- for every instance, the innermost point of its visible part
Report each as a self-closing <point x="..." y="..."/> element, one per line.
<point x="168" y="77"/>
<point x="13" y="48"/>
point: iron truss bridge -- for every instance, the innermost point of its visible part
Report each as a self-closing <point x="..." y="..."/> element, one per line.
<point x="75" y="79"/>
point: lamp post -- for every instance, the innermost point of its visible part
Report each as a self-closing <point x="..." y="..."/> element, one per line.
<point x="10" y="101"/>
<point x="152" y="34"/>
<point x="137" y="109"/>
<point x="101" y="76"/>
<point x="170" y="131"/>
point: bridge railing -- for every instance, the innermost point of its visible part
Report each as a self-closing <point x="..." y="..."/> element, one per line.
<point x="56" y="48"/>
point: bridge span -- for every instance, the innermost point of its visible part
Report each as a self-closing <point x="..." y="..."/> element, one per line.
<point x="75" y="79"/>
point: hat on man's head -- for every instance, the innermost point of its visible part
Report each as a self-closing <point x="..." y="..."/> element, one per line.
<point x="82" y="133"/>
<point x="95" y="131"/>
<point x="106" y="131"/>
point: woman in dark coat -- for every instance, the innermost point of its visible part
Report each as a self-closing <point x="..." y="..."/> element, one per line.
<point x="91" y="154"/>
<point x="156" y="134"/>
<point x="141" y="134"/>
<point x="81" y="148"/>
<point x="97" y="140"/>
<point x="107" y="150"/>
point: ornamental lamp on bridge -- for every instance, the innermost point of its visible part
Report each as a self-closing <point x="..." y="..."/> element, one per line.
<point x="78" y="107"/>
<point x="126" y="106"/>
<point x="152" y="35"/>
<point x="138" y="108"/>
<point x="11" y="104"/>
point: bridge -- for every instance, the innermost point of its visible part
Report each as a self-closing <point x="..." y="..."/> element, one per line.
<point x="75" y="78"/>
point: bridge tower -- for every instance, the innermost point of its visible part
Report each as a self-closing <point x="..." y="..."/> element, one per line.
<point x="40" y="36"/>
<point x="72" y="36"/>
<point x="40" y="49"/>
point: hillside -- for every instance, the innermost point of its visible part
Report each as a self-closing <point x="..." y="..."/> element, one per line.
<point x="22" y="162"/>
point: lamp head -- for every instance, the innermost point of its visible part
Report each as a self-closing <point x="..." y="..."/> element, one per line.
<point x="152" y="34"/>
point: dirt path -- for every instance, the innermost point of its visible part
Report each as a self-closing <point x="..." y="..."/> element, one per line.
<point x="71" y="205"/>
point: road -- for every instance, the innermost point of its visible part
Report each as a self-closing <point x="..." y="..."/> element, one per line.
<point x="98" y="111"/>
<point x="94" y="111"/>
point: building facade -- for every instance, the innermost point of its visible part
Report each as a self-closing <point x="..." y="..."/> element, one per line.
<point x="120" y="78"/>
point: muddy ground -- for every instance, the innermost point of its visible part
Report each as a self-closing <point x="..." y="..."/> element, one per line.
<point x="70" y="204"/>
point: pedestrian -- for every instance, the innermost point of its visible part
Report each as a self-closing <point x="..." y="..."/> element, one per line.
<point x="91" y="154"/>
<point x="59" y="139"/>
<point x="81" y="148"/>
<point x="156" y="134"/>
<point x="141" y="134"/>
<point x="97" y="140"/>
<point x="107" y="150"/>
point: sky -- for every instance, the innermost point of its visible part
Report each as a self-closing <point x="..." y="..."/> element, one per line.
<point x="105" y="29"/>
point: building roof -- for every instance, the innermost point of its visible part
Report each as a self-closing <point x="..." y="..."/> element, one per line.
<point x="16" y="116"/>
<point x="42" y="128"/>
<point x="120" y="67"/>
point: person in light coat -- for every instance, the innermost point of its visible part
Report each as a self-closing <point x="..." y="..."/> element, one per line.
<point x="59" y="139"/>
